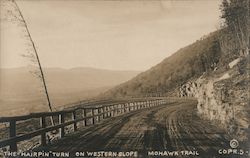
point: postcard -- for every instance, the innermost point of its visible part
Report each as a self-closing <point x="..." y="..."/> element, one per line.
<point x="124" y="78"/>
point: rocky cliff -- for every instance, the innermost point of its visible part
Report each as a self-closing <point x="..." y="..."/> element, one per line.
<point x="223" y="96"/>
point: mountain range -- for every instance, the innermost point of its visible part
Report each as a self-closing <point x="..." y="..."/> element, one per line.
<point x="22" y="91"/>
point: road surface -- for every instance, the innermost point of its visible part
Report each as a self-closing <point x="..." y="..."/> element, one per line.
<point x="171" y="127"/>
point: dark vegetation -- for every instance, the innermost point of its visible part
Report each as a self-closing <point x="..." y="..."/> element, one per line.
<point x="212" y="52"/>
<point x="235" y="38"/>
<point x="189" y="62"/>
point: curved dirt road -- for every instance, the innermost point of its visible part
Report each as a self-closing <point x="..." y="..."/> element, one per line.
<point x="170" y="127"/>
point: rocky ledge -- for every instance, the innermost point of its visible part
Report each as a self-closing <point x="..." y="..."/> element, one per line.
<point x="223" y="97"/>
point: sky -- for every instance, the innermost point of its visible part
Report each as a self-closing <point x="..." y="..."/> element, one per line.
<point x="116" y="35"/>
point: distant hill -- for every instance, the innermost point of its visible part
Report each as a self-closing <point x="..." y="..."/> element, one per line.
<point x="22" y="91"/>
<point x="162" y="79"/>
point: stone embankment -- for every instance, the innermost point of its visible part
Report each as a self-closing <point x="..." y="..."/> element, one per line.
<point x="223" y="97"/>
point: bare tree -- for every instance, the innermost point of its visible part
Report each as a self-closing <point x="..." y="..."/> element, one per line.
<point x="236" y="22"/>
<point x="14" y="14"/>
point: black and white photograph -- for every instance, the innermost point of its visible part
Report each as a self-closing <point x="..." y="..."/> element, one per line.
<point x="124" y="79"/>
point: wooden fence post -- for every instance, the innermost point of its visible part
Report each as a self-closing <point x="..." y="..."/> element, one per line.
<point x="74" y="118"/>
<point x="107" y="108"/>
<point x="122" y="108"/>
<point x="119" y="109"/>
<point x="103" y="113"/>
<point x="115" y="109"/>
<point x="125" y="107"/>
<point x="13" y="145"/>
<point x="107" y="111"/>
<point x="85" y="115"/>
<point x="99" y="112"/>
<point x="61" y="121"/>
<point x="111" y="110"/>
<point x="43" y="135"/>
<point x="93" y="116"/>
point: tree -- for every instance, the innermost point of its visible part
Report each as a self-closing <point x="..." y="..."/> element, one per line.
<point x="236" y="22"/>
<point x="14" y="14"/>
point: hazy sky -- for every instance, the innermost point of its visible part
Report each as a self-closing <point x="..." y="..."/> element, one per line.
<point x="121" y="35"/>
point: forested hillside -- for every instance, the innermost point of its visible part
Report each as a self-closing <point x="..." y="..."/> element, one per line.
<point x="189" y="62"/>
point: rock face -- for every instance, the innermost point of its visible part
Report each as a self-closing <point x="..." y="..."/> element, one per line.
<point x="189" y="89"/>
<point x="223" y="97"/>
